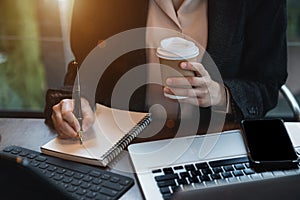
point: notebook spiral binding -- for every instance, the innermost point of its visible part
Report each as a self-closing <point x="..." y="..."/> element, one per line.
<point x="124" y="142"/>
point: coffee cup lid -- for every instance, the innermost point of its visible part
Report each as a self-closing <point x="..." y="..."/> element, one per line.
<point x="177" y="48"/>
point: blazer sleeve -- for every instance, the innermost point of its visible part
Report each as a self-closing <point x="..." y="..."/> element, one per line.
<point x="263" y="67"/>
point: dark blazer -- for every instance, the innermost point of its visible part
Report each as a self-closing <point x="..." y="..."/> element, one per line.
<point x="246" y="40"/>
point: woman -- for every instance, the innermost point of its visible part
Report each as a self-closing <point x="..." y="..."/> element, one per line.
<point x="245" y="38"/>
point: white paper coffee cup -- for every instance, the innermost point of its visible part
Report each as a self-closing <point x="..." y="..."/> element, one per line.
<point x="171" y="52"/>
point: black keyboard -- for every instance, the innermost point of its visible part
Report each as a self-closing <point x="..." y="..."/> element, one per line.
<point x="80" y="181"/>
<point x="204" y="174"/>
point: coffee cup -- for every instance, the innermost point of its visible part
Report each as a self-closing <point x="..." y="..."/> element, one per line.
<point x="171" y="52"/>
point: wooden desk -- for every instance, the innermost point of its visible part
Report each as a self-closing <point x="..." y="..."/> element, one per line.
<point x="33" y="133"/>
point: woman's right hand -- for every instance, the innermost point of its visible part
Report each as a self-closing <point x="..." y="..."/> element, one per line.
<point x="66" y="123"/>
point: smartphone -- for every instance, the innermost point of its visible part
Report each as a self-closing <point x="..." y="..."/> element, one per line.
<point x="269" y="145"/>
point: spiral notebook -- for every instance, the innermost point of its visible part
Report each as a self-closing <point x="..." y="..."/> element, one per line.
<point x="112" y="132"/>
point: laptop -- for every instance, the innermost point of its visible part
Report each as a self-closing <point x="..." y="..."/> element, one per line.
<point x="192" y="166"/>
<point x="285" y="187"/>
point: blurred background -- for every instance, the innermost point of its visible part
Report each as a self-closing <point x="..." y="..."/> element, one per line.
<point x="35" y="51"/>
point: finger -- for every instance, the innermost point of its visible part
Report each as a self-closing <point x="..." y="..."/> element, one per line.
<point x="88" y="115"/>
<point x="201" y="102"/>
<point x="67" y="107"/>
<point x="187" y="81"/>
<point x="198" y="68"/>
<point x="62" y="127"/>
<point x="200" y="93"/>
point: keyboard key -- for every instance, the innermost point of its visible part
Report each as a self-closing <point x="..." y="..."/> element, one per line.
<point x="108" y="192"/>
<point x="105" y="176"/>
<point x="168" y="170"/>
<point x="31" y="156"/>
<point x="76" y="182"/>
<point x="156" y="171"/>
<point x="201" y="165"/>
<point x="226" y="174"/>
<point x="67" y="180"/>
<point x="125" y="182"/>
<point x="113" y="186"/>
<point x="69" y="173"/>
<point x="217" y="169"/>
<point x="216" y="176"/>
<point x="166" y="177"/>
<point x="193" y="179"/>
<point x="78" y="176"/>
<point x="95" y="174"/>
<point x="184" y="174"/>
<point x="182" y="181"/>
<point x="231" y="161"/>
<point x="94" y="194"/>
<point x="81" y="191"/>
<point x="167" y="196"/>
<point x="228" y="168"/>
<point x="267" y="175"/>
<point x="41" y="158"/>
<point x="221" y="181"/>
<point x="244" y="178"/>
<point x="249" y="171"/>
<point x="238" y="173"/>
<point x="60" y="171"/>
<point x="166" y="183"/>
<point x="207" y="171"/>
<point x="195" y="173"/>
<point x="233" y="180"/>
<point x="278" y="173"/>
<point x="199" y="185"/>
<point x="178" y="167"/>
<point x="98" y="196"/>
<point x="71" y="188"/>
<point x="34" y="163"/>
<point x="114" y="179"/>
<point x="256" y="176"/>
<point x="85" y="185"/>
<point x="189" y="167"/>
<point x="210" y="183"/>
<point x="204" y="178"/>
<point x="58" y="177"/>
<point x="43" y="166"/>
<point x="51" y="168"/>
<point x="95" y="188"/>
<point x="165" y="190"/>
<point x="87" y="178"/>
<point x="239" y="166"/>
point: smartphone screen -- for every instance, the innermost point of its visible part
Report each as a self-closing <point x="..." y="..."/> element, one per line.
<point x="268" y="142"/>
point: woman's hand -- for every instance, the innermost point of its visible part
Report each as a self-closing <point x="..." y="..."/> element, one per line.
<point x="66" y="123"/>
<point x="204" y="92"/>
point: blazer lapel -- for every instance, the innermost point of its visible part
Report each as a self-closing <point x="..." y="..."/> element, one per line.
<point x="223" y="17"/>
<point x="168" y="9"/>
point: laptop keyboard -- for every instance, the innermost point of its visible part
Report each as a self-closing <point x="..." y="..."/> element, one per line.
<point x="81" y="181"/>
<point x="204" y="174"/>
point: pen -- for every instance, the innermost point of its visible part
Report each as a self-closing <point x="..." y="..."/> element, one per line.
<point x="77" y="98"/>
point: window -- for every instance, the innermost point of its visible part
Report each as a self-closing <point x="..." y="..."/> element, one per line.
<point x="293" y="34"/>
<point x="294" y="22"/>
<point x="33" y="52"/>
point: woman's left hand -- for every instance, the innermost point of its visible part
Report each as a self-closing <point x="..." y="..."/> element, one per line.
<point x="203" y="91"/>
